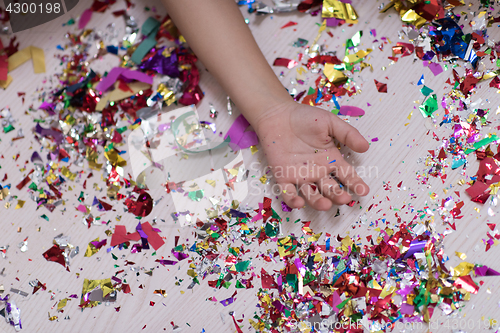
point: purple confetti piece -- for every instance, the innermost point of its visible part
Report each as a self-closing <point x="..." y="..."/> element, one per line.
<point x="285" y="207"/>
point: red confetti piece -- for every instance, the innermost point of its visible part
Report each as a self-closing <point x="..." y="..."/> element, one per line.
<point x="284" y="62"/>
<point x="289" y="24"/>
<point x="381" y="87"/>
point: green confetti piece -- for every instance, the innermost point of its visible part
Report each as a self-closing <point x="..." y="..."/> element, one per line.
<point x="300" y="42"/>
<point x="354" y="41"/>
<point x="309" y="277"/>
<point x="121" y="129"/>
<point x="33" y="186"/>
<point x="196" y="195"/>
<point x="335" y="111"/>
<point x="109" y="147"/>
<point x="8" y="128"/>
<point x="429" y="106"/>
<point x="114" y="257"/>
<point x="482" y="143"/>
<point x="239" y="285"/>
<point x="45" y="217"/>
<point x="242" y="266"/>
<point x="291" y="279"/>
<point x="341" y="305"/>
<point x="233" y="252"/>
<point x="426" y="91"/>
<point x="270" y="230"/>
<point x="150" y="29"/>
<point x="311" y="91"/>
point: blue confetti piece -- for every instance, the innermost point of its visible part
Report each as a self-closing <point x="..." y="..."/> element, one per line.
<point x="319" y="96"/>
<point x="337" y="105"/>
<point x="112" y="49"/>
<point x="421" y="81"/>
<point x="332" y="161"/>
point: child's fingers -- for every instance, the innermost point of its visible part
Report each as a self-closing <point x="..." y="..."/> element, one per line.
<point x="290" y="196"/>
<point x="345" y="172"/>
<point x="332" y="190"/>
<point x="314" y="198"/>
<point x="347" y="134"/>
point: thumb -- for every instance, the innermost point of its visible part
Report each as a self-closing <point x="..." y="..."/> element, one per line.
<point x="347" y="134"/>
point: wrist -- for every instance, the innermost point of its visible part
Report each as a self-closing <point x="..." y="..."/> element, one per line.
<point x="269" y="114"/>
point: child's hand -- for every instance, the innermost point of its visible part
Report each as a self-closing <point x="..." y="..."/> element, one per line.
<point x="297" y="139"/>
<point x="299" y="147"/>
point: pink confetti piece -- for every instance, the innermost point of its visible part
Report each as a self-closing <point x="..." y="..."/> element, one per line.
<point x="118" y="72"/>
<point x="85" y="18"/>
<point x="239" y="138"/>
<point x="352" y="111"/>
<point x="435" y="68"/>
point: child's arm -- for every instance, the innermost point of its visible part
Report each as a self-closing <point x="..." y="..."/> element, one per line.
<point x="296" y="138"/>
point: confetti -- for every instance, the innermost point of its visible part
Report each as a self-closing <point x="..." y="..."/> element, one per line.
<point x="381" y="87"/>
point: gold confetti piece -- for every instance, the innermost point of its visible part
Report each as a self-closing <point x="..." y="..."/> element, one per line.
<point x="254" y="149"/>
<point x="462" y="269"/>
<point x="233" y="172"/>
<point x="4" y="193"/>
<point x="461" y="255"/>
<point x="314" y="238"/>
<point x="5" y="84"/>
<point x="91" y="249"/>
<point x="358" y="56"/>
<point x="90" y="285"/>
<point x="300" y="71"/>
<point x="263" y="179"/>
<point x="387" y="291"/>
<point x="30" y="52"/>
<point x="20" y="204"/>
<point x="66" y="173"/>
<point x="62" y="303"/>
<point x="117" y="94"/>
<point x="333" y="75"/>
<point x="19" y="229"/>
<point x="339" y="10"/>
<point x="168" y="95"/>
<point x="412" y="17"/>
<point x="53" y="317"/>
<point x="115" y="159"/>
<point x="321" y="29"/>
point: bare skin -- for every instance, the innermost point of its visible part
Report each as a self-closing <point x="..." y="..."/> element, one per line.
<point x="297" y="139"/>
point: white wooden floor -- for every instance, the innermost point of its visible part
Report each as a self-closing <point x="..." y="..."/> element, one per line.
<point x="397" y="156"/>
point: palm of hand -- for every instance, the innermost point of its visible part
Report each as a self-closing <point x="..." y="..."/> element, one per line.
<point x="300" y="150"/>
